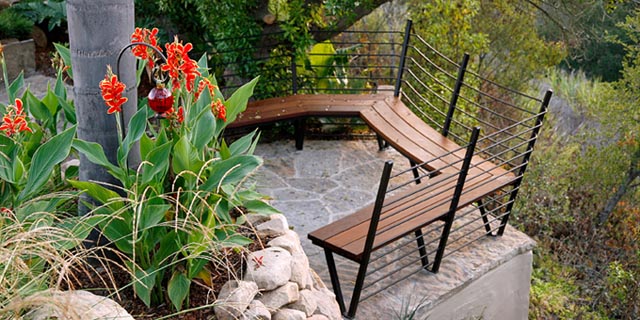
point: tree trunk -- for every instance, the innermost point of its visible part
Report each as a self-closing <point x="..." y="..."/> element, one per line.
<point x="627" y="185"/>
<point x="97" y="32"/>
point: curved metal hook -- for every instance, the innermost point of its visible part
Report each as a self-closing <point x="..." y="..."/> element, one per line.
<point x="133" y="44"/>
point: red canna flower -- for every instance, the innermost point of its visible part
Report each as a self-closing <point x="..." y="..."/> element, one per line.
<point x="205" y="83"/>
<point x="149" y="37"/>
<point x="14" y="120"/>
<point x="219" y="110"/>
<point x="179" y="65"/>
<point x="112" y="92"/>
<point x="175" y="118"/>
<point x="180" y="115"/>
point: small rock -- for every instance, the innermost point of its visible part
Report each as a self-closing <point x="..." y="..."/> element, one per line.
<point x="289" y="241"/>
<point x="317" y="317"/>
<point x="257" y="311"/>
<point x="77" y="304"/>
<point x="300" y="270"/>
<point x="269" y="268"/>
<point x="255" y="219"/>
<point x="289" y="314"/>
<point x="306" y="303"/>
<point x="277" y="298"/>
<point x="327" y="304"/>
<point x="275" y="227"/>
<point x="234" y="298"/>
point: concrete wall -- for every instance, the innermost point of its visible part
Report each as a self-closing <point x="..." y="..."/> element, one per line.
<point x="19" y="56"/>
<point x="502" y="293"/>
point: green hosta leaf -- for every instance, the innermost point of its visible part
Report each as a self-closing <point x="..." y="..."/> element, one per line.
<point x="69" y="111"/>
<point x="59" y="89"/>
<point x="143" y="284"/>
<point x="260" y="207"/>
<point x="101" y="194"/>
<point x="235" y="240"/>
<point x="136" y="128"/>
<point x="8" y="157"/>
<point x="15" y="86"/>
<point x="238" y="102"/>
<point x="167" y="250"/>
<point x="178" y="289"/>
<point x="156" y="164"/>
<point x="37" y="108"/>
<point x="225" y="153"/>
<point x="65" y="54"/>
<point x="146" y="145"/>
<point x="185" y="157"/>
<point x="203" y="103"/>
<point x="94" y="153"/>
<point x="203" y="66"/>
<point x="195" y="266"/>
<point x="120" y="232"/>
<point x="45" y="158"/>
<point x="50" y="101"/>
<point x="203" y="130"/>
<point x="245" y="145"/>
<point x="152" y="215"/>
<point x="232" y="170"/>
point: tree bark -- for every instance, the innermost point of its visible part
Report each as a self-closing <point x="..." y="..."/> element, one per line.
<point x="97" y="32"/>
<point x="627" y="185"/>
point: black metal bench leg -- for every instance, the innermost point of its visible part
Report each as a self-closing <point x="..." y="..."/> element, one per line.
<point x="299" y="128"/>
<point x="382" y="144"/>
<point x="335" y="282"/>
<point x="446" y="229"/>
<point x="485" y="219"/>
<point x="421" y="249"/>
<point x="357" y="289"/>
<point x="414" y="169"/>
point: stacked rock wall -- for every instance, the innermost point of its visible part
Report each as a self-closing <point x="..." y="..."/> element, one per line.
<point x="278" y="283"/>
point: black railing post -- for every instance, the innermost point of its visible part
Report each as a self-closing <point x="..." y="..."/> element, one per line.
<point x="294" y="74"/>
<point x="371" y="235"/>
<point x="457" y="193"/>
<point x="455" y="94"/>
<point x="403" y="56"/>
<point x="525" y="160"/>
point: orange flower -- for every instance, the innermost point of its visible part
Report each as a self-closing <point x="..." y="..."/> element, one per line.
<point x="14" y="120"/>
<point x="147" y="36"/>
<point x="205" y="83"/>
<point x="112" y="92"/>
<point x="177" y="116"/>
<point x="219" y="110"/>
<point x="179" y="65"/>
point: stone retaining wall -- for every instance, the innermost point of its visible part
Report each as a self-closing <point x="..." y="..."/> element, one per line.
<point x="278" y="282"/>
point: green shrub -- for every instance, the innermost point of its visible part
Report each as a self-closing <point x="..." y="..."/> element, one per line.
<point x="14" y="25"/>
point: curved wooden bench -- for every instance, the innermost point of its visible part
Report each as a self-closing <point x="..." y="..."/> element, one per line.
<point x="445" y="177"/>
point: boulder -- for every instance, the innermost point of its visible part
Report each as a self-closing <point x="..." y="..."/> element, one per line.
<point x="289" y="241"/>
<point x="275" y="227"/>
<point x="234" y="298"/>
<point x="277" y="298"/>
<point x="257" y="311"/>
<point x="306" y="303"/>
<point x="77" y="304"/>
<point x="269" y="268"/>
<point x="289" y="314"/>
